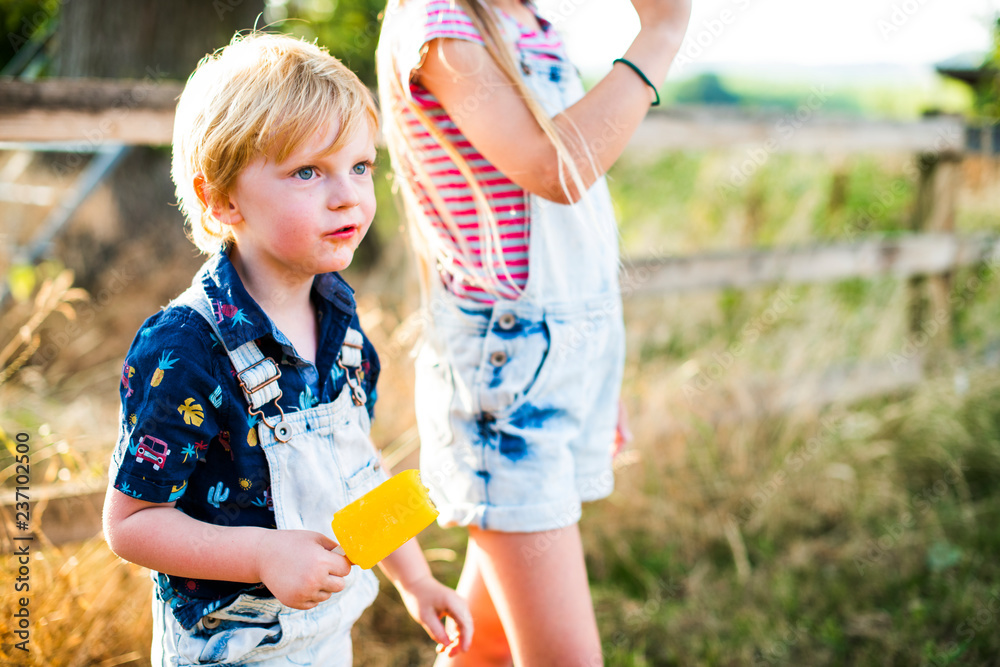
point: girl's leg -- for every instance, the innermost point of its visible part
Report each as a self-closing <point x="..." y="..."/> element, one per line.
<point x="538" y="585"/>
<point x="489" y="643"/>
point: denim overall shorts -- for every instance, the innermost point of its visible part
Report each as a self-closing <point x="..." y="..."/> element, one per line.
<point x="320" y="459"/>
<point x="517" y="402"/>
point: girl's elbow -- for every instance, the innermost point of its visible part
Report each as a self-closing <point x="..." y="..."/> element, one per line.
<point x="556" y="190"/>
<point x="571" y="195"/>
<point x="560" y="197"/>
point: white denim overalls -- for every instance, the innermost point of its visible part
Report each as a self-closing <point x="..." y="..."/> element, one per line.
<point x="517" y="403"/>
<point x="320" y="459"/>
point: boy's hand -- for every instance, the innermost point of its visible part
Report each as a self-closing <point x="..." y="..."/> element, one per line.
<point x="300" y="568"/>
<point x="429" y="603"/>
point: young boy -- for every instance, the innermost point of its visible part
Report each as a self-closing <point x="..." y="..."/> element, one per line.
<point x="246" y="402"/>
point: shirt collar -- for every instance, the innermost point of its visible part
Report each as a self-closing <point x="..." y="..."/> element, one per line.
<point x="542" y="21"/>
<point x="240" y="319"/>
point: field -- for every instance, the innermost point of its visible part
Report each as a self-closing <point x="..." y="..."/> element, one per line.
<point x="857" y="533"/>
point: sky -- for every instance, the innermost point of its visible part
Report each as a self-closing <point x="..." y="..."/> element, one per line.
<point x="787" y="32"/>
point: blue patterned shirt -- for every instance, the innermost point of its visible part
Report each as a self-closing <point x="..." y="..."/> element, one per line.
<point x="186" y="434"/>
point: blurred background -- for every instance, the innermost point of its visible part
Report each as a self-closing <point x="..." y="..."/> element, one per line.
<point x="810" y="230"/>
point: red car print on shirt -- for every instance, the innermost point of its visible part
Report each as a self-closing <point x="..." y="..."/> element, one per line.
<point x="153" y="450"/>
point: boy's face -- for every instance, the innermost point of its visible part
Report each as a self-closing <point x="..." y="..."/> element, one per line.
<point x="306" y="215"/>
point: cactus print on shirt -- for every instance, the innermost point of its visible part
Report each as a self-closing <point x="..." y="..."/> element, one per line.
<point x="186" y="435"/>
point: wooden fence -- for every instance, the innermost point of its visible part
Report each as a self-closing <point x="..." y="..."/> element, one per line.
<point x="102" y="113"/>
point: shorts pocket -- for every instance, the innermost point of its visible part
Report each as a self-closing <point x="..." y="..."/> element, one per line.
<point x="515" y="367"/>
<point x="364" y="480"/>
<point x="232" y="633"/>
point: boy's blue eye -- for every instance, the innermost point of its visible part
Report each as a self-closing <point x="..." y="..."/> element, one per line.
<point x="361" y="168"/>
<point x="305" y="173"/>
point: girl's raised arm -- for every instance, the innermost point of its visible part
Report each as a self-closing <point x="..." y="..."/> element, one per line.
<point x="463" y="76"/>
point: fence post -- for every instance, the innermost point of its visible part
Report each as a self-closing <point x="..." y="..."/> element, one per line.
<point x="930" y="311"/>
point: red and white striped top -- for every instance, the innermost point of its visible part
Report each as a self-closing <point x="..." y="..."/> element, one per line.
<point x="439" y="19"/>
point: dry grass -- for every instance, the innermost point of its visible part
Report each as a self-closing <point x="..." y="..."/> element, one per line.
<point x="87" y="608"/>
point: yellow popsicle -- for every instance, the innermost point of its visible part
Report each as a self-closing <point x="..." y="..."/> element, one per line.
<point x="379" y="522"/>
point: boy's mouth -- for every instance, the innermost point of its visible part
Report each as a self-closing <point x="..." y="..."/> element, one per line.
<point x="346" y="230"/>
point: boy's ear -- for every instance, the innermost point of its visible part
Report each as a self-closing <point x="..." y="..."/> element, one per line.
<point x="224" y="209"/>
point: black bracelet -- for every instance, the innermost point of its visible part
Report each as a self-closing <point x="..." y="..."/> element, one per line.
<point x="641" y="76"/>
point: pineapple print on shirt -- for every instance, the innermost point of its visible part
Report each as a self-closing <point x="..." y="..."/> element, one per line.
<point x="165" y="364"/>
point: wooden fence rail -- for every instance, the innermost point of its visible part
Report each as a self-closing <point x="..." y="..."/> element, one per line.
<point x="724" y="128"/>
<point x="96" y="111"/>
<point x="899" y="257"/>
<point x="142" y="112"/>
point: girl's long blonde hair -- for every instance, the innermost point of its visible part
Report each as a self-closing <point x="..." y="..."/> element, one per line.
<point x="431" y="251"/>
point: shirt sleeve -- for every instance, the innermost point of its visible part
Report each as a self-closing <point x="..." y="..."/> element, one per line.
<point x="421" y="22"/>
<point x="171" y="404"/>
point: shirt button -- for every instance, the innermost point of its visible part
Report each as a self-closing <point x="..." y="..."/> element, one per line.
<point x="507" y="321"/>
<point x="498" y="358"/>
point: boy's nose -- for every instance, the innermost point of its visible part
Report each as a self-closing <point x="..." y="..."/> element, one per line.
<point x="343" y="194"/>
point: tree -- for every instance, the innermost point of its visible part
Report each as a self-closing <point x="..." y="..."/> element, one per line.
<point x="25" y="23"/>
<point x="151" y="40"/>
<point x="986" y="86"/>
<point x="348" y="29"/>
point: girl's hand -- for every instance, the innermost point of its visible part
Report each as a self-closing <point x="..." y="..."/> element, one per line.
<point x="430" y="602"/>
<point x="300" y="568"/>
<point x="670" y="15"/>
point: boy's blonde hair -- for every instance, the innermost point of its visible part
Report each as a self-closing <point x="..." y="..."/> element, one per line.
<point x="263" y="94"/>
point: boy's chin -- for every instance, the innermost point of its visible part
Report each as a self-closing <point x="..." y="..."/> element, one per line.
<point x="339" y="262"/>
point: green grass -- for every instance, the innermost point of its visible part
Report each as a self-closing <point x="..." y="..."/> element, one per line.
<point x="869" y="530"/>
<point x="892" y="565"/>
<point x="906" y="98"/>
<point x="691" y="202"/>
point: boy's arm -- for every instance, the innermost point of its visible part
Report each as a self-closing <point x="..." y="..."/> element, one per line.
<point x="297" y="566"/>
<point x="427" y="600"/>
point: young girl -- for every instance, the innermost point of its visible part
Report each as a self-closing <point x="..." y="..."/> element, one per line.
<point x="500" y="157"/>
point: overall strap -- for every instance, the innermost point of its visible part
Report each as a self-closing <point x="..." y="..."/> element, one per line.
<point x="257" y="375"/>
<point x="350" y="357"/>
